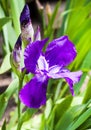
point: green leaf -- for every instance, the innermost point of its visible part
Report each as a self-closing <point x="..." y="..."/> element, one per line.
<point x="5" y="33"/>
<point x="71" y="116"/>
<point x="81" y="119"/>
<point x="15" y="15"/>
<point x="3" y="21"/>
<point x="77" y="17"/>
<point x="12" y="40"/>
<point x="21" y="5"/>
<point x="16" y="8"/>
<point x="48" y="108"/>
<point x="5" y="64"/>
<point x="4" y="126"/>
<point x="59" y="111"/>
<point x="85" y="125"/>
<point x="87" y="94"/>
<point x="51" y="125"/>
<point x="78" y="86"/>
<point x="58" y="89"/>
<point x="86" y="62"/>
<point x="68" y="117"/>
<point x="5" y="5"/>
<point x="50" y="25"/>
<point x="64" y="22"/>
<point x="4" y="98"/>
<point x="25" y="117"/>
<point x="13" y="119"/>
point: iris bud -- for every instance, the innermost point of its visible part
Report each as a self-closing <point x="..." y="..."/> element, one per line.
<point x="27" y="30"/>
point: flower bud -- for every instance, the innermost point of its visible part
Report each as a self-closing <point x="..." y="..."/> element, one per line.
<point x="39" y="5"/>
<point x="27" y="31"/>
<point x="37" y="34"/>
<point x="16" y="54"/>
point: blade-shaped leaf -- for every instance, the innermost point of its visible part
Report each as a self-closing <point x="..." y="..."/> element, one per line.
<point x="3" y="21"/>
<point x="5" y="64"/>
<point x="4" y="98"/>
<point x="59" y="111"/>
<point x="4" y="126"/>
<point x="81" y="119"/>
<point x="25" y="117"/>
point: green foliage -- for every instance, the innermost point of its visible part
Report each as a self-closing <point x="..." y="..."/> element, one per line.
<point x="3" y="21"/>
<point x="87" y="95"/>
<point x="4" y="98"/>
<point x="4" y="126"/>
<point x="49" y="29"/>
<point x="10" y="11"/>
<point x="65" y="103"/>
<point x="25" y="116"/>
<point x="5" y="64"/>
<point x="81" y="119"/>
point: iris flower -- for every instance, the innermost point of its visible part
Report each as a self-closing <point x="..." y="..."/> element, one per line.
<point x="45" y="65"/>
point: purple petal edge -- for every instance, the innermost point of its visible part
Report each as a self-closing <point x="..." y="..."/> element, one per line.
<point x="60" y="51"/>
<point x="70" y="77"/>
<point x="33" y="94"/>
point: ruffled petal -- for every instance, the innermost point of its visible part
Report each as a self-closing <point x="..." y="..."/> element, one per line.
<point x="32" y="53"/>
<point x="70" y="77"/>
<point x="60" y="52"/>
<point x="33" y="94"/>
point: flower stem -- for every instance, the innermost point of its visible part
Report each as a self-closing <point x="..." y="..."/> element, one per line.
<point x="63" y="91"/>
<point x="20" y="86"/>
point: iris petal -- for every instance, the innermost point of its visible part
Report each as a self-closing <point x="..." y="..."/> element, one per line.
<point x="70" y="77"/>
<point x="33" y="94"/>
<point x="42" y="64"/>
<point x="32" y="53"/>
<point x="60" y="52"/>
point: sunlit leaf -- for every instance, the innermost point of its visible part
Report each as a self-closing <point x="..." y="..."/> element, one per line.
<point x="81" y="119"/>
<point x="5" y="32"/>
<point x="25" y="117"/>
<point x="3" y="21"/>
<point x="59" y="111"/>
<point x="5" y="64"/>
<point x="4" y="98"/>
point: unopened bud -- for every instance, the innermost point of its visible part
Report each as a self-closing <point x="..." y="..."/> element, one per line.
<point x="37" y="34"/>
<point x="39" y="5"/>
<point x="16" y="54"/>
<point x="48" y="11"/>
<point x="26" y="25"/>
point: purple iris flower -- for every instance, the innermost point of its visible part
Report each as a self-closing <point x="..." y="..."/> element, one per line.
<point x="45" y="65"/>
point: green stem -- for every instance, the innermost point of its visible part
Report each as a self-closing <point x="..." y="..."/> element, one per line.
<point x="19" y="110"/>
<point x="20" y="86"/>
<point x="63" y="91"/>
